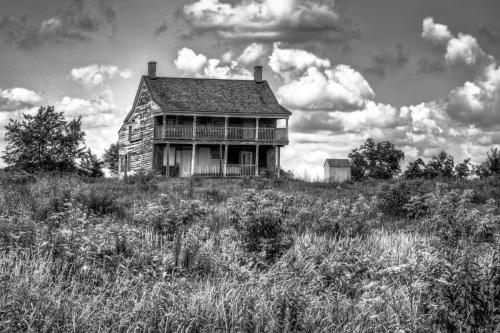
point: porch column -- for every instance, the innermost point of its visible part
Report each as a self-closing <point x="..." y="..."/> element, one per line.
<point x="225" y="127"/>
<point x="256" y="129"/>
<point x="278" y="167"/>
<point x="225" y="159"/>
<point x="193" y="158"/>
<point x="167" y="172"/>
<point x="194" y="127"/>
<point x="164" y="132"/>
<point x="257" y="160"/>
<point x="220" y="160"/>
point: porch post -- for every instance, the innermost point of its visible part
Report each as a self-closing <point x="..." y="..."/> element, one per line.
<point x="164" y="133"/>
<point x="257" y="160"/>
<point x="225" y="127"/>
<point x="225" y="159"/>
<point x="220" y="160"/>
<point x="193" y="158"/>
<point x="167" y="172"/>
<point x="256" y="129"/>
<point x="278" y="161"/>
<point x="194" y="127"/>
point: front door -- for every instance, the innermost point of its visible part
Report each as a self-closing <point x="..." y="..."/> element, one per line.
<point x="185" y="167"/>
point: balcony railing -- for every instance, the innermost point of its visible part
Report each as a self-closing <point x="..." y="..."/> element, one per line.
<point x="219" y="133"/>
<point x="232" y="170"/>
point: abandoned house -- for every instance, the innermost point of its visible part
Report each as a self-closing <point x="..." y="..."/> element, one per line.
<point x="184" y="127"/>
<point x="337" y="170"/>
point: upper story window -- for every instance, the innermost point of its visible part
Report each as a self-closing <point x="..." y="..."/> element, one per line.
<point x="129" y="133"/>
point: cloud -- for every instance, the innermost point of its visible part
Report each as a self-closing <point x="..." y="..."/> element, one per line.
<point x="463" y="50"/>
<point x="268" y="20"/>
<point x="424" y="65"/>
<point x="478" y="102"/>
<point x="161" y="29"/>
<point x="253" y="53"/>
<point x="77" y="20"/>
<point x="435" y="32"/>
<point x="96" y="74"/>
<point x="460" y="49"/>
<point x="385" y="60"/>
<point x="198" y="65"/>
<point x="16" y="98"/>
<point x="286" y="59"/>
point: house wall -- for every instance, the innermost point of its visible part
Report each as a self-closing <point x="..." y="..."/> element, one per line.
<point x="139" y="147"/>
<point x="338" y="174"/>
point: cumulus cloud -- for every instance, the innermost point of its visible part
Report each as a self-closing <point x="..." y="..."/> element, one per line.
<point x="386" y="60"/>
<point x="96" y="74"/>
<point x="77" y="20"/>
<point x="460" y="49"/>
<point x="198" y="65"/>
<point x="435" y="32"/>
<point x="15" y="98"/>
<point x="463" y="50"/>
<point x="478" y="102"/>
<point x="253" y="53"/>
<point x="339" y="88"/>
<point x="268" y="20"/>
<point x="286" y="59"/>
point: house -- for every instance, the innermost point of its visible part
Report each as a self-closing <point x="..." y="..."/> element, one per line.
<point x="184" y="127"/>
<point x="337" y="170"/>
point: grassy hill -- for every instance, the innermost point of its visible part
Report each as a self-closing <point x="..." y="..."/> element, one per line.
<point x="248" y="256"/>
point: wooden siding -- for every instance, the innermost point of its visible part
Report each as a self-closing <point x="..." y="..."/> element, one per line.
<point x="139" y="145"/>
<point x="337" y="174"/>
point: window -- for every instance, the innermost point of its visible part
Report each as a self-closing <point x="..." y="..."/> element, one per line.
<point x="130" y="133"/>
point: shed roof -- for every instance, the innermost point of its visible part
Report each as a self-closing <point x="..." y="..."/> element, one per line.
<point x="338" y="162"/>
<point x="193" y="95"/>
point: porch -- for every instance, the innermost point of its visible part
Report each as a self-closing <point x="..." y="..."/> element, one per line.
<point x="211" y="160"/>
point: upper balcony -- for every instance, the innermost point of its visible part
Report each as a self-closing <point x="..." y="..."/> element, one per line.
<point x="218" y="129"/>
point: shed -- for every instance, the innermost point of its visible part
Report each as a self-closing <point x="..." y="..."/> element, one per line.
<point x="337" y="170"/>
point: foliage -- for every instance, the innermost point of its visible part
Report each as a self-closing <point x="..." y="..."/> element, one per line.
<point x="375" y="160"/>
<point x="44" y="142"/>
<point x="111" y="158"/>
<point x="463" y="169"/>
<point x="490" y="166"/>
<point x="90" y="165"/>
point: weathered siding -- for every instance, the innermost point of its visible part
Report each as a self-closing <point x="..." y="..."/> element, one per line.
<point x="337" y="174"/>
<point x="140" y="144"/>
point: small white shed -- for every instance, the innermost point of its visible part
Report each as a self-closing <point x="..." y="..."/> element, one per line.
<point x="337" y="170"/>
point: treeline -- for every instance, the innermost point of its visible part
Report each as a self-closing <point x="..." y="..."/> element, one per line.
<point x="381" y="160"/>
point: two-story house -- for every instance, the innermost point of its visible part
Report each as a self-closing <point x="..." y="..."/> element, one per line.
<point x="203" y="127"/>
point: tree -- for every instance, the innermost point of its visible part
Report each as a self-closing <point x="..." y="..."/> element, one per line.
<point x="463" y="170"/>
<point x="375" y="160"/>
<point x="110" y="158"/>
<point x="440" y="165"/>
<point x="90" y="165"/>
<point x="490" y="166"/>
<point x="415" y="169"/>
<point x="44" y="142"/>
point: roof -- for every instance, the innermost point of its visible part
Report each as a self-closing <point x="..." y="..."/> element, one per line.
<point x="338" y="162"/>
<point x="214" y="96"/>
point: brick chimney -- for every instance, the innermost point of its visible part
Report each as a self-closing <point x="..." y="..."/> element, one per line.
<point x="152" y="69"/>
<point x="257" y="74"/>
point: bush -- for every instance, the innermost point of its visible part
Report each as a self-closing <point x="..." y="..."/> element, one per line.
<point x="393" y="197"/>
<point x="260" y="220"/>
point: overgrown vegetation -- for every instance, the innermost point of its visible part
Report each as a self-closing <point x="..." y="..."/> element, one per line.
<point x="249" y="255"/>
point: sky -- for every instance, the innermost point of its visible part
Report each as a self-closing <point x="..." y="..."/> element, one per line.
<point x="422" y="74"/>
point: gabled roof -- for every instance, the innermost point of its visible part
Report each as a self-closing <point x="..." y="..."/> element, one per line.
<point x="189" y="95"/>
<point x="338" y="162"/>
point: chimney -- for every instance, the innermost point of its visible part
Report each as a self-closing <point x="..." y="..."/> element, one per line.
<point x="257" y="74"/>
<point x="152" y="69"/>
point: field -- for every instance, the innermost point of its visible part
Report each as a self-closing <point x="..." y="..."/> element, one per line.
<point x="248" y="255"/>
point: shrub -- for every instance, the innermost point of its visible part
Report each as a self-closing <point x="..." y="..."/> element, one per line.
<point x="393" y="197"/>
<point x="260" y="220"/>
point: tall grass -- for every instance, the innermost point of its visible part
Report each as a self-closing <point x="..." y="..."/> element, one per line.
<point x="245" y="256"/>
